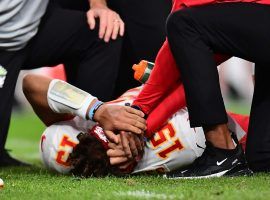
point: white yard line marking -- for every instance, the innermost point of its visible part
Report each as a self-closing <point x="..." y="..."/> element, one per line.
<point x="143" y="194"/>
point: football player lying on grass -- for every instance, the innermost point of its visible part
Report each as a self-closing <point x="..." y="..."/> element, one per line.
<point x="65" y="101"/>
<point x="81" y="147"/>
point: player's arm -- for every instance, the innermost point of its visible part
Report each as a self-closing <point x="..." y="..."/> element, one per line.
<point x="54" y="100"/>
<point x="35" y="89"/>
<point x="110" y="23"/>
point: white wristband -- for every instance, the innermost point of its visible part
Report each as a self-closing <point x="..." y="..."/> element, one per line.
<point x="65" y="98"/>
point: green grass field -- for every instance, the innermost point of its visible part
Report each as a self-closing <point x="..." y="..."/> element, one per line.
<point x="36" y="183"/>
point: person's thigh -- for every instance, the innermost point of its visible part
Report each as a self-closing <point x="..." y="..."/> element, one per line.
<point x="61" y="37"/>
<point x="145" y="33"/>
<point x="65" y="37"/>
<point x="145" y="24"/>
<point x="238" y="29"/>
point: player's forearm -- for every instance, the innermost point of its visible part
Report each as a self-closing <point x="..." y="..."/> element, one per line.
<point x="36" y="94"/>
<point x="170" y="105"/>
<point x="94" y="3"/>
<point x="65" y="98"/>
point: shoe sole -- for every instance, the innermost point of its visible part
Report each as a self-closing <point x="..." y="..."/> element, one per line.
<point x="233" y="172"/>
<point x="239" y="170"/>
<point x="216" y="175"/>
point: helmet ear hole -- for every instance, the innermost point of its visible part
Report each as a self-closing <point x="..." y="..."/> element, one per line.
<point x="80" y="135"/>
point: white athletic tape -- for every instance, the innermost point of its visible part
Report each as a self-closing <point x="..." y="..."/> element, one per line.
<point x="65" y="98"/>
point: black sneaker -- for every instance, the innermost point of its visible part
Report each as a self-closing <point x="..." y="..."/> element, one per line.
<point x="214" y="162"/>
<point x="7" y="161"/>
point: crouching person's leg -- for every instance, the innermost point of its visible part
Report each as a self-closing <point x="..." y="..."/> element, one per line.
<point x="258" y="141"/>
<point x="10" y="64"/>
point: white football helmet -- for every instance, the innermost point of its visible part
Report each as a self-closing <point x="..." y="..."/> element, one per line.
<point x="58" y="141"/>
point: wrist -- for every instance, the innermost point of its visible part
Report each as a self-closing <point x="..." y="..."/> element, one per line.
<point x="93" y="107"/>
<point x="98" y="3"/>
<point x="98" y="113"/>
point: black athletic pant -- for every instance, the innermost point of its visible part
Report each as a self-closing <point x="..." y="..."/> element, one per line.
<point x="145" y="33"/>
<point x="63" y="36"/>
<point x="145" y="22"/>
<point x="236" y="29"/>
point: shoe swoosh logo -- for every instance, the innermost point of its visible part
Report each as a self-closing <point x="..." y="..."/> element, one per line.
<point x="221" y="162"/>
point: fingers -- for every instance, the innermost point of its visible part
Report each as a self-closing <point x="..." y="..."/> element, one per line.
<point x="109" y="28"/>
<point x="116" y="29"/>
<point x="130" y="148"/>
<point x="112" y="117"/>
<point x="115" y="153"/>
<point x="91" y="19"/>
<point x="110" y="24"/>
<point x="122" y="28"/>
<point x="132" y="122"/>
<point x="131" y="125"/>
<point x="112" y="136"/>
<point x="125" y="144"/>
<point x="136" y="117"/>
<point x="136" y="122"/>
<point x="114" y="146"/>
<point x="102" y="24"/>
<point x="138" y="143"/>
<point x="132" y="145"/>
<point x="129" y="128"/>
<point x="118" y="160"/>
<point x="134" y="111"/>
<point x="141" y="138"/>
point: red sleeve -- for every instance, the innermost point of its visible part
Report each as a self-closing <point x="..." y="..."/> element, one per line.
<point x="170" y="105"/>
<point x="190" y="3"/>
<point x="177" y="5"/>
<point x="164" y="77"/>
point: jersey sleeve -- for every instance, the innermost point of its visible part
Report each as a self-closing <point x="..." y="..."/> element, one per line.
<point x="169" y="106"/>
<point x="163" y="78"/>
